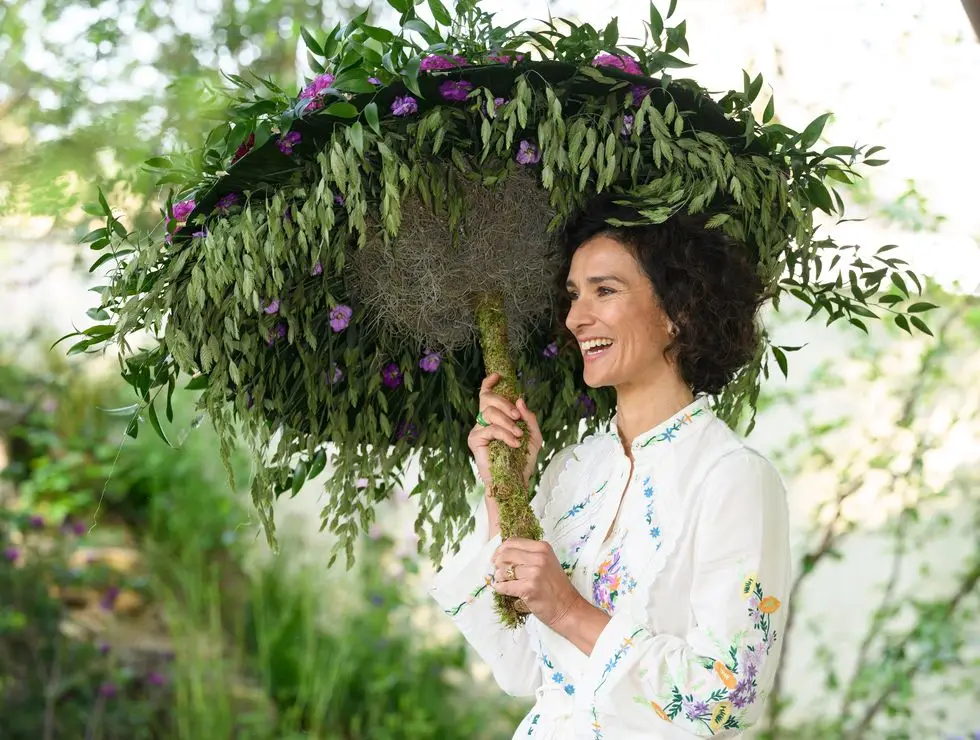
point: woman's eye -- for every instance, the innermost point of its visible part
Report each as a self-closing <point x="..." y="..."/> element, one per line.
<point x="605" y="291"/>
<point x="572" y="296"/>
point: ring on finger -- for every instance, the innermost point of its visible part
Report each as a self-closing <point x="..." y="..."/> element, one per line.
<point x="511" y="573"/>
<point x="481" y="420"/>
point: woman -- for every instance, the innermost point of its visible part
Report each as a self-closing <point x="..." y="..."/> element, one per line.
<point x="658" y="595"/>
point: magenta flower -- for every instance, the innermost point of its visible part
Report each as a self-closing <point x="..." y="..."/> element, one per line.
<point x="627" y="127"/>
<point x="405" y="105"/>
<point x="435" y="62"/>
<point x="104" y="648"/>
<point x="430" y="362"/>
<point x="36" y="521"/>
<point x="317" y="269"/>
<point x="528" y="153"/>
<point x="316" y="88"/>
<point x="108" y="690"/>
<point x="108" y="599"/>
<point x="639" y="92"/>
<point x="503" y="58"/>
<point x="457" y="90"/>
<point x="626" y="63"/>
<point x="551" y="351"/>
<point x="244" y="148"/>
<point x="155" y="679"/>
<point x="408" y="431"/>
<point x="183" y="209"/>
<point x="340" y="317"/>
<point x="272" y="307"/>
<point x="70" y="526"/>
<point x="391" y="375"/>
<point x="287" y="142"/>
<point x="586" y="405"/>
<point x="227" y="202"/>
<point x="11" y="554"/>
<point x="279" y="331"/>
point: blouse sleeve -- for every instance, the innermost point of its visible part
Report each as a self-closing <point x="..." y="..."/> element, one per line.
<point x="462" y="589"/>
<point x="713" y="680"/>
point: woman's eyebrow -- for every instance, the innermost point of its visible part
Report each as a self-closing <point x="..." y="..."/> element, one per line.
<point x="596" y="279"/>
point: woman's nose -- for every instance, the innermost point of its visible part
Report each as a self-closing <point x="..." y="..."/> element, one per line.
<point x="578" y="316"/>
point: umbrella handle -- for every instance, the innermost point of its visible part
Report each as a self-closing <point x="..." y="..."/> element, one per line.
<point x="507" y="464"/>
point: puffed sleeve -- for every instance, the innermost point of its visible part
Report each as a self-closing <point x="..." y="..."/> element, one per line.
<point x="711" y="681"/>
<point x="462" y="589"/>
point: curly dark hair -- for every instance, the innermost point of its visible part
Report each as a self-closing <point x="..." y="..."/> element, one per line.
<point x="706" y="283"/>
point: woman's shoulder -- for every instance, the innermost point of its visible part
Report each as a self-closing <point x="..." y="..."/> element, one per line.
<point x="726" y="459"/>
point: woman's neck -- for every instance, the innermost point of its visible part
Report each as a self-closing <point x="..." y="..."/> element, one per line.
<point x="642" y="406"/>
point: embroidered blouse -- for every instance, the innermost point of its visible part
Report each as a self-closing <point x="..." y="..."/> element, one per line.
<point x="694" y="574"/>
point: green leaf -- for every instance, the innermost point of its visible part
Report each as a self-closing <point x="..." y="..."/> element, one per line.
<point x="812" y="132"/>
<point x="121" y="410"/>
<point x="100" y="331"/>
<point x="317" y="464"/>
<point x="80" y="347"/>
<point x="440" y="13"/>
<point x="610" y="36"/>
<point x="341" y="110"/>
<point x="430" y="35"/>
<point x="105" y="206"/>
<point x="198" y="383"/>
<point x="920" y="307"/>
<point x="781" y="360"/>
<point x="921" y="325"/>
<point x="158" y="163"/>
<point x="770" y="110"/>
<point x="155" y="423"/>
<point x="902" y="323"/>
<point x="356" y="136"/>
<point x="97" y="314"/>
<point x="411" y="75"/>
<point x="93" y="236"/>
<point x="401" y="6"/>
<point x="672" y="8"/>
<point x="311" y="43"/>
<point x="859" y="324"/>
<point x="371" y="116"/>
<point x="299" y="477"/>
<point x="899" y="283"/>
<point x="656" y="21"/>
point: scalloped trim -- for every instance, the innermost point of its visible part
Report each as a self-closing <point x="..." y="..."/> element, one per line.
<point x="576" y="469"/>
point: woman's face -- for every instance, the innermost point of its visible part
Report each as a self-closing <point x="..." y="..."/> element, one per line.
<point x="615" y="316"/>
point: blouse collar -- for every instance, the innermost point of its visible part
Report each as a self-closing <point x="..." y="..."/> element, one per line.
<point x="680" y="425"/>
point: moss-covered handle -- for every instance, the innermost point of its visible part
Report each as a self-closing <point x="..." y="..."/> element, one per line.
<point x="506" y="463"/>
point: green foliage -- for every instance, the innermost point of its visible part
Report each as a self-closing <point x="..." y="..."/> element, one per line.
<point x="277" y="225"/>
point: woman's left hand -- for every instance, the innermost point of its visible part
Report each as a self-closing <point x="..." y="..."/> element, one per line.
<point x="540" y="580"/>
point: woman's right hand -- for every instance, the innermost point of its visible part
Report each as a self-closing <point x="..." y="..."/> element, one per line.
<point x="503" y="417"/>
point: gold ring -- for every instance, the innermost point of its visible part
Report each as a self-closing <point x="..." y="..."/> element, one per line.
<point x="511" y="573"/>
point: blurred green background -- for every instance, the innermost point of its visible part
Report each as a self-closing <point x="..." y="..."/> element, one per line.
<point x="136" y="600"/>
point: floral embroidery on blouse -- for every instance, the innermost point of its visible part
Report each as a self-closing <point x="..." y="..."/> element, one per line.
<point x="610" y="580"/>
<point x="556" y="676"/>
<point x="624" y="647"/>
<point x="577" y="508"/>
<point x="721" y="709"/>
<point x="670" y="432"/>
<point x="471" y="598"/>
<point x="534" y="722"/>
<point x="574" y="550"/>
<point x="652" y="523"/>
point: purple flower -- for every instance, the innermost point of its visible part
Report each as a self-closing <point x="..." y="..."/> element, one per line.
<point x="108" y="599"/>
<point x="225" y="204"/>
<point x="497" y="103"/>
<point x="317" y="269"/>
<point x="586" y="405"/>
<point x="279" y="331"/>
<point x="316" y="88"/>
<point x="340" y="317"/>
<point x="104" y="648"/>
<point x="408" y="431"/>
<point x="272" y="307"/>
<point x="183" y="209"/>
<point x="36" y="521"/>
<point x="455" y="89"/>
<point x="374" y="80"/>
<point x="70" y="526"/>
<point x="528" y="153"/>
<point x="201" y="233"/>
<point x="361" y="483"/>
<point x="404" y="105"/>
<point x="430" y="362"/>
<point x="155" y="679"/>
<point x="11" y="554"/>
<point x="335" y="376"/>
<point x="249" y="400"/>
<point x="391" y="375"/>
<point x="625" y="63"/>
<point x="743" y="694"/>
<point x="338" y="199"/>
<point x="639" y="92"/>
<point x="435" y="62"/>
<point x="627" y="127"/>
<point x="695" y="710"/>
<point x="287" y="142"/>
<point x="108" y="690"/>
<point x="244" y="148"/>
<point x="551" y="351"/>
<point x="377" y="599"/>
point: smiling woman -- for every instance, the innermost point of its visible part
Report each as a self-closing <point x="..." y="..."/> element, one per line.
<point x="658" y="590"/>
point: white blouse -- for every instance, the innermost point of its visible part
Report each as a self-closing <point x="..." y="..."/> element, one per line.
<point x="695" y="575"/>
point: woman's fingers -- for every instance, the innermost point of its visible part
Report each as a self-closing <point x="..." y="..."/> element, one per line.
<point x="497" y="417"/>
<point x="484" y="435"/>
<point x="530" y="419"/>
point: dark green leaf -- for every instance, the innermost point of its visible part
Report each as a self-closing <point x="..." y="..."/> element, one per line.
<point x="921" y="325"/>
<point x="859" y="324"/>
<point x="159" y="163"/>
<point x="299" y="477"/>
<point x="401" y="6"/>
<point x="198" y="383"/>
<point x="100" y="330"/>
<point x="371" y="116"/>
<point x="430" y="35"/>
<point x="899" y="283"/>
<point x="781" y="360"/>
<point x="440" y="13"/>
<point x="610" y="36"/>
<point x="317" y="464"/>
<point x="93" y="236"/>
<point x="80" y="347"/>
<point x="311" y="43"/>
<point x="656" y="22"/>
<point x="357" y="137"/>
<point x="812" y="132"/>
<point x="920" y="307"/>
<point x="672" y="8"/>
<point x="155" y="423"/>
<point x="770" y="110"/>
<point x="341" y="110"/>
<point x="902" y="323"/>
<point x="105" y="206"/>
